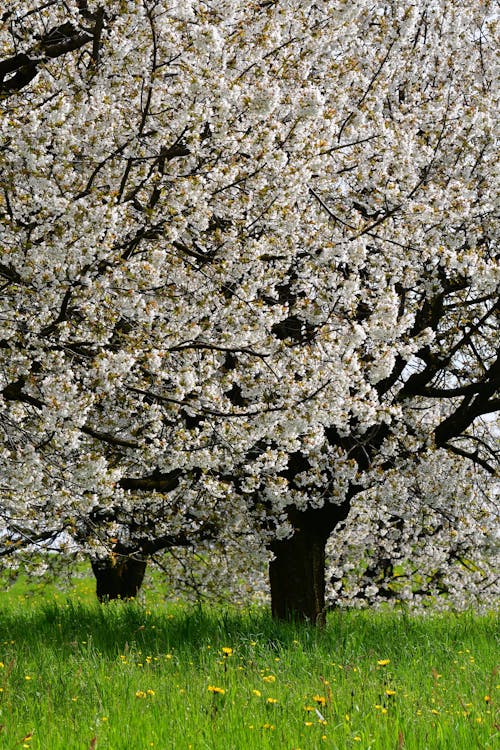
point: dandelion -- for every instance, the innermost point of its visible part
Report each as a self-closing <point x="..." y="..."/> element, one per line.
<point x="308" y="723"/>
<point x="257" y="693"/>
<point x="487" y="698"/>
<point x="390" y="692"/>
<point x="269" y="678"/>
<point x="383" y="662"/>
<point x="214" y="689"/>
<point x="227" y="651"/>
<point x="268" y="726"/>
<point x="320" y="699"/>
<point x="150" y="692"/>
<point x="27" y="677"/>
<point x="272" y="700"/>
<point x="140" y="694"/>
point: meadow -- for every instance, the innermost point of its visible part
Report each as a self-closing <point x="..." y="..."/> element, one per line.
<point x="76" y="675"/>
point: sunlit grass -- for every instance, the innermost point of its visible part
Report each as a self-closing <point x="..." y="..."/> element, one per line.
<point x="76" y="675"/>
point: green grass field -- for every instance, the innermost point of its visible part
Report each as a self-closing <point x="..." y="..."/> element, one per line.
<point x="76" y="675"/>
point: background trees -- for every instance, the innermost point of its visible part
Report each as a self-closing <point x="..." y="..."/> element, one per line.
<point x="249" y="270"/>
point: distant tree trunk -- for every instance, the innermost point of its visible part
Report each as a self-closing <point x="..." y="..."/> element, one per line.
<point x="118" y="576"/>
<point x="297" y="572"/>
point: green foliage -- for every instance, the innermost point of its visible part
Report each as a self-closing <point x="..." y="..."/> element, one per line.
<point x="79" y="675"/>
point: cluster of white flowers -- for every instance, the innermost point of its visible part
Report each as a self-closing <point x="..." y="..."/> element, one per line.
<point x="249" y="246"/>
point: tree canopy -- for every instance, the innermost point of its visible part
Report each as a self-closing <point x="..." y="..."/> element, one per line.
<point x="248" y="267"/>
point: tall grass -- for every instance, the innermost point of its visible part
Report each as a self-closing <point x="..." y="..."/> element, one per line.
<point x="77" y="675"/>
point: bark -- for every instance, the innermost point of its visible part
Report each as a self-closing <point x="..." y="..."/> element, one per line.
<point x="297" y="578"/>
<point x="118" y="576"/>
<point x="297" y="572"/>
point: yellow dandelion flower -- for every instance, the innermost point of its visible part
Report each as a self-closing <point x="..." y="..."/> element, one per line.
<point x="150" y="692"/>
<point x="319" y="699"/>
<point x="27" y="677"/>
<point x="308" y="723"/>
<point x="140" y="694"/>
<point x="487" y="698"/>
<point x="383" y="662"/>
<point x="257" y="693"/>
<point x="272" y="700"/>
<point x="269" y="678"/>
<point x="268" y="726"/>
<point x="215" y="689"/>
<point x="227" y="650"/>
<point x="390" y="692"/>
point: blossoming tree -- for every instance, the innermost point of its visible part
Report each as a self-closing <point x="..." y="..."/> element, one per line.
<point x="248" y="270"/>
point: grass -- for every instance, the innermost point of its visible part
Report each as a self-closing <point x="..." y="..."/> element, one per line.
<point x="76" y="675"/>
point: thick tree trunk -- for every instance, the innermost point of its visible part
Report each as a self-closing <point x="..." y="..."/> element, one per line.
<point x="297" y="578"/>
<point x="297" y="572"/>
<point x="118" y="576"/>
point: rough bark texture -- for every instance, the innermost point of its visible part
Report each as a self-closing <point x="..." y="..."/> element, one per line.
<point x="297" y="578"/>
<point x="297" y="572"/>
<point x="118" y="577"/>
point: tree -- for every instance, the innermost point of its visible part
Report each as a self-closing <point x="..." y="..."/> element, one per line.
<point x="249" y="268"/>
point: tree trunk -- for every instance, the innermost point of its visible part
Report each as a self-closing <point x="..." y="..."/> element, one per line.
<point x="297" y="578"/>
<point x="118" y="576"/>
<point x="297" y="572"/>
